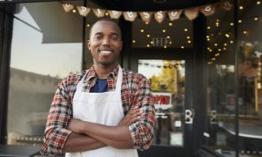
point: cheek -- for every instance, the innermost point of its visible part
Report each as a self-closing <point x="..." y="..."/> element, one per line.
<point x="94" y="44"/>
<point x="93" y="48"/>
<point x="118" y="46"/>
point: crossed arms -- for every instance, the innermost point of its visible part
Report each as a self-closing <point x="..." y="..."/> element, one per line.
<point x="65" y="134"/>
<point x="88" y="136"/>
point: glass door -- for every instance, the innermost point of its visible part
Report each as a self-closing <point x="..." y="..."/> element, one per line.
<point x="168" y="75"/>
<point x="167" y="78"/>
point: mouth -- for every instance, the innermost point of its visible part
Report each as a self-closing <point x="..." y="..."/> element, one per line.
<point x="105" y="52"/>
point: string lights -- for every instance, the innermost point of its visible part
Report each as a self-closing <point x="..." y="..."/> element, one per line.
<point x="219" y="39"/>
<point x="224" y="43"/>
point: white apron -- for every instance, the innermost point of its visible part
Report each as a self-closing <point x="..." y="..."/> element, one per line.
<point x="103" y="108"/>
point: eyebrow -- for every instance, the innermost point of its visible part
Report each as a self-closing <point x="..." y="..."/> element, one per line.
<point x="112" y="33"/>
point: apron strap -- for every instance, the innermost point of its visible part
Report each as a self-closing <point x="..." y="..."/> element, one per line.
<point x="119" y="79"/>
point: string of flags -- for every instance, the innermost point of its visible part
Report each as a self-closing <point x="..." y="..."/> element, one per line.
<point x="170" y="66"/>
<point x="146" y="16"/>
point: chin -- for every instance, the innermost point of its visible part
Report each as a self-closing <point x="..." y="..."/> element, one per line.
<point x="107" y="63"/>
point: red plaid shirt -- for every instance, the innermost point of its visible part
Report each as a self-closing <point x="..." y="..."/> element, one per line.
<point x="135" y="92"/>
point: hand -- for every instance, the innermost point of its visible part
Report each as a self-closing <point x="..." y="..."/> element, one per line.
<point x="76" y="125"/>
<point x="132" y="116"/>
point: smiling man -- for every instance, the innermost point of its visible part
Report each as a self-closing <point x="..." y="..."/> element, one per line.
<point x="105" y="110"/>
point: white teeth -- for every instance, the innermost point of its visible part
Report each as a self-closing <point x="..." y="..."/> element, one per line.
<point x="105" y="52"/>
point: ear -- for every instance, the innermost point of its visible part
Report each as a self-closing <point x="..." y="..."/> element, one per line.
<point x="88" y="44"/>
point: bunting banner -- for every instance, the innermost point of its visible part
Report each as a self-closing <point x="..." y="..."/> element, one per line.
<point x="114" y="14"/>
<point x="146" y="16"/>
<point x="207" y="10"/>
<point x="159" y="16"/>
<point x="168" y="66"/>
<point x="174" y="15"/>
<point x="99" y="12"/>
<point x="68" y="7"/>
<point x="191" y="13"/>
<point x="130" y="16"/>
<point x="227" y="5"/>
<point x="83" y="11"/>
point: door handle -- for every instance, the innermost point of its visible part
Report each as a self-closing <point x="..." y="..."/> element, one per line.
<point x="213" y="117"/>
<point x="188" y="116"/>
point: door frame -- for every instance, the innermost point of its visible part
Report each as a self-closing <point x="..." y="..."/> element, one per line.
<point x="6" y="30"/>
<point x="195" y="87"/>
<point x="169" y="54"/>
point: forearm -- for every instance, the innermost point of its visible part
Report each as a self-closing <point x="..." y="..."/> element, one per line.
<point x="78" y="143"/>
<point x="115" y="136"/>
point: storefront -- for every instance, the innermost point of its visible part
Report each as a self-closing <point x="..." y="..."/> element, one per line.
<point x="203" y="61"/>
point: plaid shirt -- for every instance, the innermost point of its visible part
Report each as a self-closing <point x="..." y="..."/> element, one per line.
<point x="135" y="92"/>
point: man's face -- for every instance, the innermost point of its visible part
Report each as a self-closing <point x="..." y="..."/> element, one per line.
<point x="105" y="43"/>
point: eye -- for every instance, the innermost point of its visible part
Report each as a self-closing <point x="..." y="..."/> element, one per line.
<point x="115" y="37"/>
<point x="98" y="37"/>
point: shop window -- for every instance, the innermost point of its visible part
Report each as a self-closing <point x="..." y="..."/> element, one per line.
<point x="46" y="47"/>
<point x="234" y="89"/>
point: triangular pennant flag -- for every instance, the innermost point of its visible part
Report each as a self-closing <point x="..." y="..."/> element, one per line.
<point x="99" y="12"/>
<point x="114" y="14"/>
<point x="207" y="10"/>
<point x="83" y="11"/>
<point x="174" y="15"/>
<point x="227" y="5"/>
<point x="130" y="16"/>
<point x="146" y="16"/>
<point x="159" y="16"/>
<point x="191" y="13"/>
<point x="68" y="7"/>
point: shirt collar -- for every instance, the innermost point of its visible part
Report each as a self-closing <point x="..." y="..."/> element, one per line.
<point x="92" y="74"/>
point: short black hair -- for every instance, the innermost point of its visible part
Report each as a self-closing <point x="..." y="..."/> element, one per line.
<point x="109" y="20"/>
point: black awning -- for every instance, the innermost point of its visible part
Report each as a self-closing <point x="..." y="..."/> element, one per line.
<point x="132" y="5"/>
<point x="149" y="5"/>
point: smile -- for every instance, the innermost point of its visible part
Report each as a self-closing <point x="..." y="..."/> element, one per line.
<point x="105" y="52"/>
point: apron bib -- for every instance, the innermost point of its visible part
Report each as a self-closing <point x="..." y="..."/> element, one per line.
<point x="103" y="108"/>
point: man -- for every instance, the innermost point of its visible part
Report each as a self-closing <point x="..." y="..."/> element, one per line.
<point x="104" y="111"/>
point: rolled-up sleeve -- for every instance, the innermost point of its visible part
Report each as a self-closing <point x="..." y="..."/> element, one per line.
<point x="142" y="131"/>
<point x="59" y="117"/>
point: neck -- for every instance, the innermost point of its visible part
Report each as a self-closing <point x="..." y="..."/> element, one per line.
<point x="102" y="71"/>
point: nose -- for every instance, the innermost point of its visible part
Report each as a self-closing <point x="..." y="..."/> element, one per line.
<point x="106" y="41"/>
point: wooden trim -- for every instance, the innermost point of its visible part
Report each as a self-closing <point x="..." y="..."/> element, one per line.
<point x="199" y="86"/>
<point x="30" y="1"/>
<point x="6" y="28"/>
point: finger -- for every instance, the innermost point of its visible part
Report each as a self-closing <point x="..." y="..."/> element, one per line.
<point x="134" y="116"/>
<point x="134" y="111"/>
<point x="134" y="119"/>
<point x="134" y="107"/>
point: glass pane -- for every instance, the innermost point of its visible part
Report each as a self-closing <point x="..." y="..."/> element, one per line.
<point x="243" y="76"/>
<point x="249" y="52"/>
<point x="42" y="54"/>
<point x="167" y="79"/>
<point x="221" y="104"/>
<point x="250" y="97"/>
<point x="221" y="95"/>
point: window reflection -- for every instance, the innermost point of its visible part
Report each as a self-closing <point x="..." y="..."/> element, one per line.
<point x="250" y="97"/>
<point x="37" y="65"/>
<point x="221" y="94"/>
<point x="167" y="79"/>
<point x="221" y="103"/>
<point x="249" y="79"/>
<point x="239" y="88"/>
